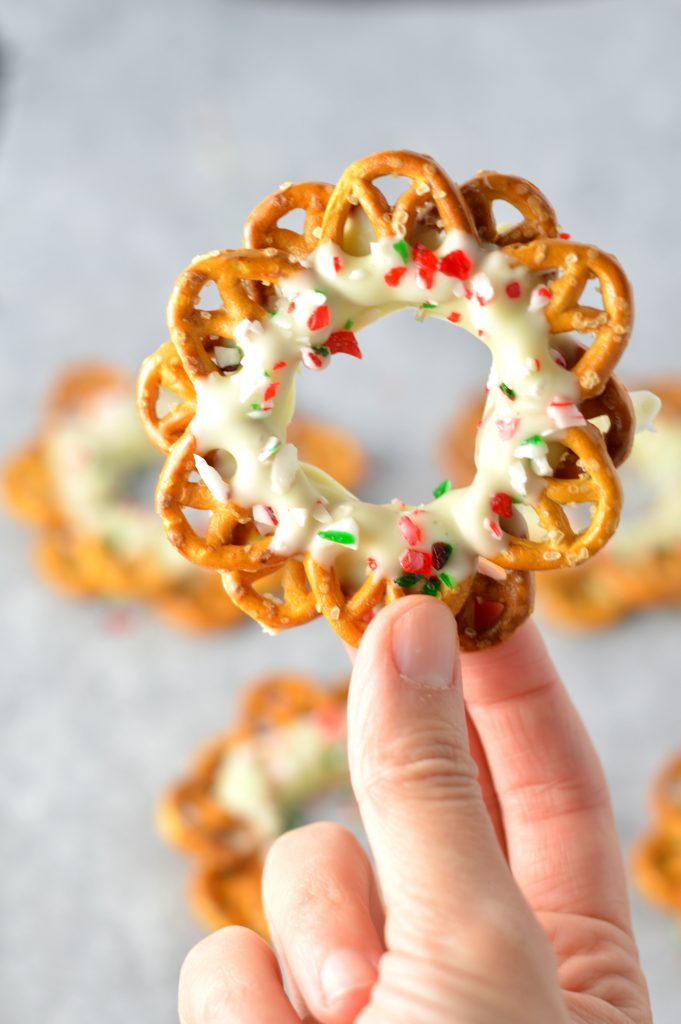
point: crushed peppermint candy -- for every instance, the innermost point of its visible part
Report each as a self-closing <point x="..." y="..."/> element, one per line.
<point x="345" y="342"/>
<point x="540" y="297"/>
<point x="483" y="289"/>
<point x="410" y="531"/>
<point x="218" y="487"/>
<point x="319" y="319"/>
<point x="501" y="504"/>
<point x="271" y="445"/>
<point x="314" y="358"/>
<point x="563" y="413"/>
<point x="320" y="512"/>
<point x="265" y="519"/>
<point x="507" y="426"/>
<point x="393" y="277"/>
<point x="492" y="527"/>
<point x="517" y="474"/>
<point x="420" y="562"/>
<point x="456" y="264"/>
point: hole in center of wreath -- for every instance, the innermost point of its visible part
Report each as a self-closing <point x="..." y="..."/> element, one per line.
<point x="398" y="402"/>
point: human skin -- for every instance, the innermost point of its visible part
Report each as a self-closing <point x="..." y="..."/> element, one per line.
<point x="503" y="890"/>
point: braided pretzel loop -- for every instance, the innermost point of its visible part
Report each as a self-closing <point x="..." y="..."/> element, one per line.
<point x="350" y="615"/>
<point x="538" y="216"/>
<point x="163" y="370"/>
<point x="295" y="606"/>
<point x="430" y="184"/>
<point x="263" y="230"/>
<point x="575" y="264"/>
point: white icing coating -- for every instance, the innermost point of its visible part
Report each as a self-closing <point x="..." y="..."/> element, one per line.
<point x="531" y="400"/>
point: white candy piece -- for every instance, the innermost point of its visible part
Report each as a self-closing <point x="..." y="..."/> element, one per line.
<point x="218" y="487"/>
<point x="284" y="468"/>
<point x="271" y="445"/>
<point x="563" y="413"/>
<point x="517" y="474"/>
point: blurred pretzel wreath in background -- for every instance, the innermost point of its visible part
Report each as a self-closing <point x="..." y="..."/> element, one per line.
<point x="74" y="484"/>
<point x="488" y="606"/>
<point x="277" y="768"/>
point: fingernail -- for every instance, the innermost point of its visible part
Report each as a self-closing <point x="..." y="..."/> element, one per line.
<point x="424" y="645"/>
<point x="345" y="971"/>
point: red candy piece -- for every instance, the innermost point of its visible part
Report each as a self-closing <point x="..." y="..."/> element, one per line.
<point x="454" y="318"/>
<point x="501" y="504"/>
<point x="271" y="390"/>
<point x="337" y="264"/>
<point x="280" y="365"/>
<point x="424" y="257"/>
<point x="486" y="613"/>
<point x="394" y="276"/>
<point x="420" y="562"/>
<point x="513" y="289"/>
<point x="507" y="427"/>
<point x="426" y="261"/>
<point x="319" y="319"/>
<point x="372" y="563"/>
<point x="565" y="235"/>
<point x="456" y="264"/>
<point x="343" y="341"/>
<point x="410" y="531"/>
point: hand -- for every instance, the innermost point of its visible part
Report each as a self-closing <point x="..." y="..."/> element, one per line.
<point x="495" y="849"/>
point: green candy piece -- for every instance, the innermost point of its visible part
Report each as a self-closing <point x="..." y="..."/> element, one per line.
<point x="442" y="488"/>
<point x="431" y="587"/>
<point x="402" y="249"/>
<point x="447" y="580"/>
<point x="408" y="579"/>
<point x="337" y="536"/>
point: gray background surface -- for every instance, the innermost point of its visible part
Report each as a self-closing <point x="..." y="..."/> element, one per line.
<point x="134" y="135"/>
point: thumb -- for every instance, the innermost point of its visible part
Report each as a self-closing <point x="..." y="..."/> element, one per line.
<point x="436" y="854"/>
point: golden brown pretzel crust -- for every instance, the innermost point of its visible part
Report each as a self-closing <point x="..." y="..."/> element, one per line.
<point x="656" y="860"/>
<point x="244" y="278"/>
<point x="595" y="595"/>
<point x="225" y="881"/>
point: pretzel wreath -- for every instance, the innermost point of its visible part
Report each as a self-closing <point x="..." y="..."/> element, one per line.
<point x="296" y="299"/>
<point x="249" y="785"/>
<point x="656" y="858"/>
<point x="80" y="555"/>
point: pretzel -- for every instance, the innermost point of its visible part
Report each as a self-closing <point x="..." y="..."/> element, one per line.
<point x="299" y="299"/>
<point x="641" y="567"/>
<point x="656" y="857"/>
<point x="75" y="554"/>
<point x="287" y="718"/>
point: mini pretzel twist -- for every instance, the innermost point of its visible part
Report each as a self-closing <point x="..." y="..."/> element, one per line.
<point x="539" y="218"/>
<point x="575" y="265"/>
<point x="430" y="184"/>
